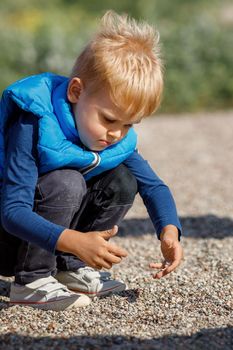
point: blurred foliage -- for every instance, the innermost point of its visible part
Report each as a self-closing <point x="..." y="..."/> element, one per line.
<point x="196" y="37"/>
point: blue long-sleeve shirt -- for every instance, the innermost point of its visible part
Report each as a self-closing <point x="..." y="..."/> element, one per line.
<point x="21" y="175"/>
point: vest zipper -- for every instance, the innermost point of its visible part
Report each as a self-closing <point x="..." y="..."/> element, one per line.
<point x="92" y="166"/>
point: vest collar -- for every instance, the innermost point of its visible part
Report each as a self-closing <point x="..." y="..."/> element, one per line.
<point x="63" y="112"/>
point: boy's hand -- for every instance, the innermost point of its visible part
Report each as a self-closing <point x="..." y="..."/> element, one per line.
<point x="172" y="252"/>
<point x="92" y="247"/>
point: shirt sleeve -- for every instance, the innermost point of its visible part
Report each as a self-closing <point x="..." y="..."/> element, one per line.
<point x="19" y="184"/>
<point x="155" y="194"/>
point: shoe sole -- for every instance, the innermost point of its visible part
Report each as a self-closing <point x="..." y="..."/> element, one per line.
<point x="100" y="293"/>
<point x="50" y="305"/>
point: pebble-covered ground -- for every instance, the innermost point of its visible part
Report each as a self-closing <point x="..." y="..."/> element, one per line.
<point x="192" y="307"/>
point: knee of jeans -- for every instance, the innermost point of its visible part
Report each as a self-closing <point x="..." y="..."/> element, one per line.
<point x="123" y="186"/>
<point x="64" y="186"/>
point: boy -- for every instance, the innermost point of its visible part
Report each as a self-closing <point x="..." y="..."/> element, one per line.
<point x="70" y="170"/>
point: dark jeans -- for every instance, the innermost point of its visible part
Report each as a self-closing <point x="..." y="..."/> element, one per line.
<point x="63" y="197"/>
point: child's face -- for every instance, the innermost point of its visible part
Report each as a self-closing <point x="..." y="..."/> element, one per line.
<point x="99" y="122"/>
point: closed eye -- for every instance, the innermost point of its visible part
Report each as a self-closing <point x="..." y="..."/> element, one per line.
<point x="107" y="120"/>
<point x="110" y="121"/>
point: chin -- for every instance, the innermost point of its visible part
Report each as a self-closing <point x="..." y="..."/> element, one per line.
<point x="97" y="149"/>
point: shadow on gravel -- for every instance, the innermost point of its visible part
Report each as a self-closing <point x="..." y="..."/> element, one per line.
<point x="207" y="226"/>
<point x="219" y="338"/>
<point x="131" y="294"/>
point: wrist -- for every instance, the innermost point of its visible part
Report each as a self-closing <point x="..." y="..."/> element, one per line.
<point x="67" y="241"/>
<point x="169" y="232"/>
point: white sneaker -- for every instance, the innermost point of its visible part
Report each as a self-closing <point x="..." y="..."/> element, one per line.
<point x="91" y="282"/>
<point x="47" y="294"/>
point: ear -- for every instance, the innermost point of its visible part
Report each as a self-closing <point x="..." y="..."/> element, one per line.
<point x="74" y="90"/>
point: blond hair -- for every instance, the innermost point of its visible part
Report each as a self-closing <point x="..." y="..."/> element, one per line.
<point x="124" y="57"/>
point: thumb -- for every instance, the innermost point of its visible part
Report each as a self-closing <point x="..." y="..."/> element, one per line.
<point x="109" y="233"/>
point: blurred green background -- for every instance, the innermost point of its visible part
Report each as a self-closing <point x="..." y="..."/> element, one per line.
<point x="196" y="37"/>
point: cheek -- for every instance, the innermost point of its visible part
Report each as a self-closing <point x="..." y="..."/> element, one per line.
<point x="88" y="124"/>
<point x="82" y="120"/>
<point x="90" y="129"/>
<point x="95" y="129"/>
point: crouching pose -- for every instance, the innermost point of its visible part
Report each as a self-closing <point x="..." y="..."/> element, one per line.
<point x="70" y="170"/>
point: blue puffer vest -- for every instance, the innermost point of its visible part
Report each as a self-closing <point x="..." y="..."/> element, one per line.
<point x="59" y="145"/>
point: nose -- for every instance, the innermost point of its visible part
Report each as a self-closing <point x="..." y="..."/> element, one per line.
<point x="115" y="134"/>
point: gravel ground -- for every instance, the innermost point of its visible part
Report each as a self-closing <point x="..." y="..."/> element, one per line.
<point x="191" y="308"/>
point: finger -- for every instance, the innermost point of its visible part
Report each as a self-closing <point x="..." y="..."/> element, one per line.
<point x="113" y="259"/>
<point x="97" y="267"/>
<point x="106" y="264"/>
<point x="167" y="269"/>
<point x="109" y="233"/>
<point x="114" y="249"/>
<point x="157" y="265"/>
<point x="102" y="264"/>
